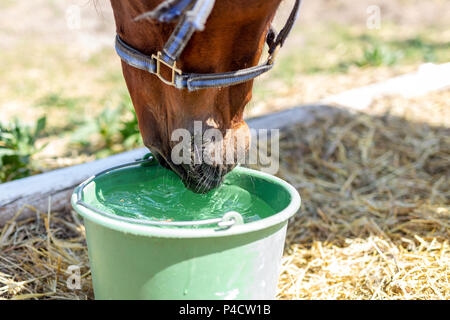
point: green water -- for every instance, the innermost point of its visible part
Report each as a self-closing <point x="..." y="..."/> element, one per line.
<point x="154" y="193"/>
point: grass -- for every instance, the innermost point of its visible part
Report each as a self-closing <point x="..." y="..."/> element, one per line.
<point x="17" y="148"/>
<point x="4" y="4"/>
<point x="113" y="130"/>
<point x="83" y="98"/>
<point x="334" y="50"/>
<point x="85" y="105"/>
<point x="58" y="100"/>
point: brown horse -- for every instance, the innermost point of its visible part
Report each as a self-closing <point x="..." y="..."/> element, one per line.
<point x="233" y="39"/>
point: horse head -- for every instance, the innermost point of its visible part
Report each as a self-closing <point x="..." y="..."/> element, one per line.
<point x="230" y="36"/>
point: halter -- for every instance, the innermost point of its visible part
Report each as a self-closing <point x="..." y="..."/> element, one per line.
<point x="193" y="15"/>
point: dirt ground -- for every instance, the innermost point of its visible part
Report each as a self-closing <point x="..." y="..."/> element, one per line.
<point x="48" y="19"/>
<point x="45" y="23"/>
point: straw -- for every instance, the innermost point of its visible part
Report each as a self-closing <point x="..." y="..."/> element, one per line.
<point x="35" y="254"/>
<point x="374" y="222"/>
<point x="375" y="215"/>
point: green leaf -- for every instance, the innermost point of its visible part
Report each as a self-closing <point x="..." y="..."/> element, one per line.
<point x="40" y="126"/>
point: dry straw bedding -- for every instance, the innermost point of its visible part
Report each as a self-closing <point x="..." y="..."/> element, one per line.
<point x="374" y="222"/>
<point x="375" y="218"/>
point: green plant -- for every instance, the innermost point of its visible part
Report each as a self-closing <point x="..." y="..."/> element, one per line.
<point x="115" y="129"/>
<point x="131" y="136"/>
<point x="58" y="100"/>
<point x="106" y="126"/>
<point x="379" y="55"/>
<point x="420" y="48"/>
<point x="17" y="146"/>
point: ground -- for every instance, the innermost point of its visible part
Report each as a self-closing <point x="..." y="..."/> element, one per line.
<point x="374" y="223"/>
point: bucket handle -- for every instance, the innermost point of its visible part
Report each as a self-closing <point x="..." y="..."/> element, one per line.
<point x="228" y="220"/>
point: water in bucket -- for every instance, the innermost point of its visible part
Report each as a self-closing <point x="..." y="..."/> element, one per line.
<point x="155" y="193"/>
<point x="133" y="260"/>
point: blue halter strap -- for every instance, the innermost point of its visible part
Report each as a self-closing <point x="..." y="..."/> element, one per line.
<point x="193" y="15"/>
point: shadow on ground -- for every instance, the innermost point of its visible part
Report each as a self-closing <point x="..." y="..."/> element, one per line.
<point x="375" y="220"/>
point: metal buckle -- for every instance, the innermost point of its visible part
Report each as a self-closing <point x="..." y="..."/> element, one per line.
<point x="173" y="67"/>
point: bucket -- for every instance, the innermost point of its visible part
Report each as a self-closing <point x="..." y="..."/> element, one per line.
<point x="221" y="258"/>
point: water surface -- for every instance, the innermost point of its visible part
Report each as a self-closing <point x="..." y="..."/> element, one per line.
<point x="155" y="193"/>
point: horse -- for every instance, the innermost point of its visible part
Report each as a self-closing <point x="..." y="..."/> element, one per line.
<point x="194" y="61"/>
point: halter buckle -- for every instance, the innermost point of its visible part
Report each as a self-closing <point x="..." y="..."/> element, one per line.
<point x="173" y="67"/>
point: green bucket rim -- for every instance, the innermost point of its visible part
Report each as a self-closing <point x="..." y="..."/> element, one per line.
<point x="147" y="230"/>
